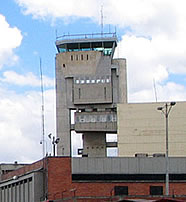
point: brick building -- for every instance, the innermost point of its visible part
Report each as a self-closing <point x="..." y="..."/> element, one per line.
<point x="90" y="179"/>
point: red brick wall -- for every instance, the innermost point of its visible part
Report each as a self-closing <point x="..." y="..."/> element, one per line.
<point x="26" y="169"/>
<point x="60" y="183"/>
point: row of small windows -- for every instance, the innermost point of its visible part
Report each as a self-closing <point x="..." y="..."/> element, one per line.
<point x="79" y="57"/>
<point x="92" y="80"/>
<point x="96" y="118"/>
<point x="123" y="190"/>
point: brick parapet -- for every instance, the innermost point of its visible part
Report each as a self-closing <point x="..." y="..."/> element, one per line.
<point x="24" y="170"/>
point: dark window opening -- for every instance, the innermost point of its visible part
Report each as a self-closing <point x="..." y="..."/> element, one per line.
<point x="105" y="92"/>
<point x="81" y="57"/>
<point x="87" y="57"/>
<point x="76" y="57"/>
<point x="97" y="44"/>
<point x="71" y="57"/>
<point x="72" y="47"/>
<point x="64" y="65"/>
<point x="156" y="190"/>
<point x="120" y="190"/>
<point x="79" y="93"/>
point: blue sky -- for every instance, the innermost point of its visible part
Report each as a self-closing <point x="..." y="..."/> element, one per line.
<point x="151" y="37"/>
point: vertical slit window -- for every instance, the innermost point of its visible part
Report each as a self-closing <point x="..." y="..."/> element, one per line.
<point x="71" y="57"/>
<point x="81" y="57"/>
<point x="105" y="92"/>
<point x="87" y="57"/>
<point x="79" y="93"/>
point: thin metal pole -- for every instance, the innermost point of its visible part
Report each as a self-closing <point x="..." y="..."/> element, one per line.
<point x="167" y="150"/>
<point x="54" y="146"/>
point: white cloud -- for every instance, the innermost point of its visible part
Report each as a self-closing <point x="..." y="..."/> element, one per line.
<point x="154" y="44"/>
<point x="10" y="38"/>
<point x="21" y="125"/>
<point x="26" y="80"/>
<point x="153" y="59"/>
<point x="57" y="9"/>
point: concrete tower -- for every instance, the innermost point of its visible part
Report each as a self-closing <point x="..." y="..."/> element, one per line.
<point x="91" y="82"/>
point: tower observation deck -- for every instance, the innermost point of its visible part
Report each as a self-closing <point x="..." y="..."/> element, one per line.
<point x="91" y="82"/>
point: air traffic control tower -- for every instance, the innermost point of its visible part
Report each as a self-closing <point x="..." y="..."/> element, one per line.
<point x="91" y="82"/>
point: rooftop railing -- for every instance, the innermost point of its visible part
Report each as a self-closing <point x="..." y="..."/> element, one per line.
<point x="85" y="36"/>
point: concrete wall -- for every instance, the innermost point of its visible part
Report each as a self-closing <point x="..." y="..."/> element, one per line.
<point x="27" y="188"/>
<point x="141" y="129"/>
<point x="131" y="165"/>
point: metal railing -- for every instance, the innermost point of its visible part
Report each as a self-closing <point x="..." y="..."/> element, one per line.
<point x="85" y="36"/>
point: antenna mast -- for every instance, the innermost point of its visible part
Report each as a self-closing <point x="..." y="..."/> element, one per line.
<point x="102" y="20"/>
<point x="42" y="108"/>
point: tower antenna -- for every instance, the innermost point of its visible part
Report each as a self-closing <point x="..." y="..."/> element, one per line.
<point x="102" y="20"/>
<point x="56" y="34"/>
<point x="42" y="107"/>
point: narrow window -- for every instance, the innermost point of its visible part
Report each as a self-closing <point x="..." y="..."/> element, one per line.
<point x="82" y="81"/>
<point x="76" y="57"/>
<point x="107" y="80"/>
<point x="87" y="81"/>
<point x="105" y="92"/>
<point x="98" y="81"/>
<point x="72" y="57"/>
<point x="87" y="57"/>
<point x="79" y="93"/>
<point x="81" y="57"/>
<point x="63" y="65"/>
<point x="120" y="190"/>
<point x="156" y="190"/>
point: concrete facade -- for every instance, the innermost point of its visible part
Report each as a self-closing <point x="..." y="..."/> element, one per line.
<point x="141" y="129"/>
<point x="91" y="82"/>
<point x="24" y="184"/>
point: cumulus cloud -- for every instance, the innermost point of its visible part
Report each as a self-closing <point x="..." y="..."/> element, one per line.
<point x="153" y="60"/>
<point x="21" y="125"/>
<point x="29" y="79"/>
<point x="154" y="42"/>
<point x="10" y="38"/>
<point x="58" y="9"/>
